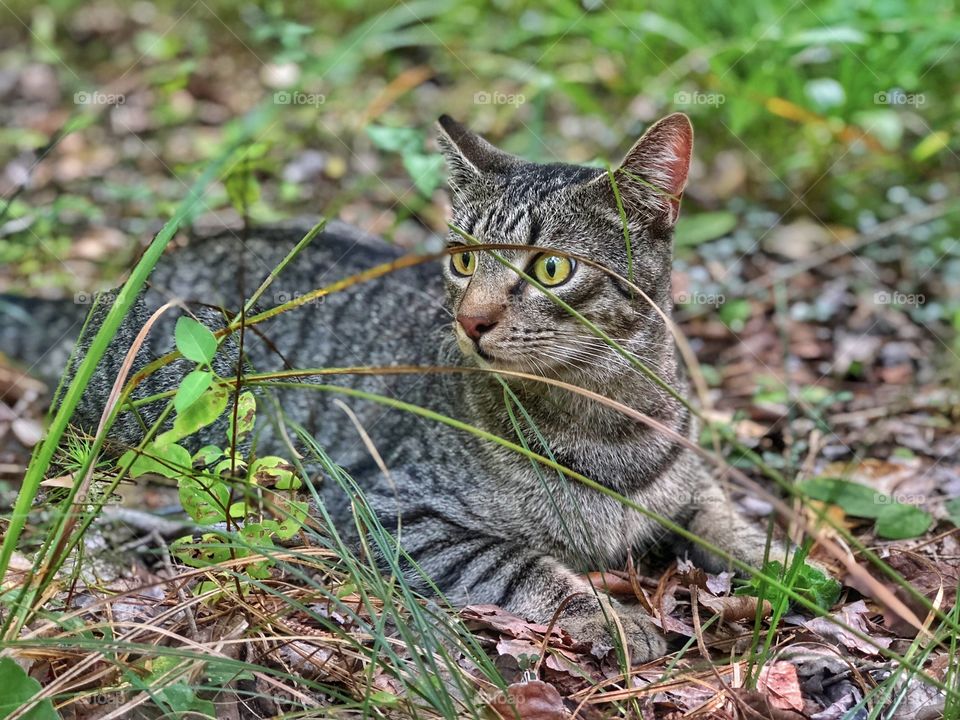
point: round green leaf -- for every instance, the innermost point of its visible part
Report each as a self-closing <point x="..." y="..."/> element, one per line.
<point x="207" y="455"/>
<point x="692" y="230"/>
<point x="899" y="522"/>
<point x="194" y="340"/>
<point x="191" y="388"/>
<point x="855" y="499"/>
<point x="953" y="510"/>
<point x="272" y="471"/>
<point x="166" y="459"/>
<point x="18" y="687"/>
<point x="206" y="502"/>
<point x="201" y="413"/>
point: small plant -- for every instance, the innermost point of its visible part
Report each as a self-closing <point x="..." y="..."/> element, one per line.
<point x="219" y="487"/>
<point x="807" y="581"/>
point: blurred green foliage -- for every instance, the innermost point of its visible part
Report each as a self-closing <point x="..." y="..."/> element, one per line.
<point x="827" y="104"/>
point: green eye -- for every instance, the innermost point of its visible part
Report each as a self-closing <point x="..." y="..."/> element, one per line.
<point x="553" y="269"/>
<point x="463" y="263"/>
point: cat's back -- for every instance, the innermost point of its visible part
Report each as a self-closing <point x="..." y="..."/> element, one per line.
<point x="376" y="320"/>
<point x="226" y="266"/>
<point x="395" y="319"/>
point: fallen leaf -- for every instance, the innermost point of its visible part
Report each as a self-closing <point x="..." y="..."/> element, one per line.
<point x="778" y="680"/>
<point x="733" y="608"/>
<point x="923" y="575"/>
<point x="853" y="615"/>
<point x="531" y="700"/>
<point x="491" y="617"/>
<point x="763" y="706"/>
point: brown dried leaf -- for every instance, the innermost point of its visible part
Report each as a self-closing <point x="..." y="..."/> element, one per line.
<point x="491" y="617"/>
<point x="923" y="575"/>
<point x="780" y="683"/>
<point x="733" y="608"/>
<point x="853" y="615"/>
<point x="531" y="700"/>
<point x="761" y="707"/>
<point x="611" y="583"/>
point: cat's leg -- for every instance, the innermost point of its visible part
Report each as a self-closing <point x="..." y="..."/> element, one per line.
<point x="719" y="523"/>
<point x="454" y="545"/>
<point x="486" y="570"/>
<point x="589" y="615"/>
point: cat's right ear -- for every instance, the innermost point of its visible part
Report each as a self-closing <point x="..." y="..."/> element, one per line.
<point x="468" y="155"/>
<point x="654" y="173"/>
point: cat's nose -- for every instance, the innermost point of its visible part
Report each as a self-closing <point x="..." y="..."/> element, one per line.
<point x="476" y="325"/>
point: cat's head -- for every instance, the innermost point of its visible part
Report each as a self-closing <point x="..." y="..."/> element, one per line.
<point x="500" y="198"/>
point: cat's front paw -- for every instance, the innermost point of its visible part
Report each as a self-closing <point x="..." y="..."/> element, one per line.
<point x="588" y="622"/>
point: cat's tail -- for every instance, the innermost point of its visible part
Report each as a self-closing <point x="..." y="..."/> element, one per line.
<point x="39" y="334"/>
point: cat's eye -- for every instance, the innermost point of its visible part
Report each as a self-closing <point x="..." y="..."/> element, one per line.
<point x="464" y="263"/>
<point x="553" y="269"/>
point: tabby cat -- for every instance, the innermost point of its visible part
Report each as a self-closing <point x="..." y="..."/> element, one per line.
<point x="485" y="523"/>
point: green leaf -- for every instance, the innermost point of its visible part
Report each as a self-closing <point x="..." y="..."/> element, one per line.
<point x="953" y="510"/>
<point x="18" y="687"/>
<point x="809" y="582"/>
<point x="899" y="521"/>
<point x="395" y="139"/>
<point x="221" y="673"/>
<point x="194" y="341"/>
<point x="692" y="230"/>
<point x="201" y="413"/>
<point x="256" y="535"/>
<point x="855" y="499"/>
<point x="207" y="455"/>
<point x="184" y="701"/>
<point x="735" y="313"/>
<point x="166" y="459"/>
<point x="191" y="388"/>
<point x="243" y="190"/>
<point x="930" y="145"/>
<point x="296" y="516"/>
<point x="272" y="471"/>
<point x="210" y="550"/>
<point x="426" y="171"/>
<point x="206" y="501"/>
<point x="817" y="586"/>
<point x="384" y="698"/>
<point x="246" y="415"/>
<point x="232" y="467"/>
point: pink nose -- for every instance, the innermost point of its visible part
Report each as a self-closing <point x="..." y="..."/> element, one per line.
<point x="477" y="325"/>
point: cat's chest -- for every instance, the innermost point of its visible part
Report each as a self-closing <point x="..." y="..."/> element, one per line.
<point x="583" y="525"/>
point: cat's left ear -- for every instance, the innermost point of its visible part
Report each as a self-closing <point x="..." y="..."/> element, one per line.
<point x="653" y="175"/>
<point x="468" y="155"/>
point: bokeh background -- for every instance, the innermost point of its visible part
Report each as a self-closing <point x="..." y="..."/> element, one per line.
<point x="817" y="254"/>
